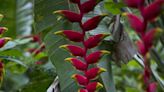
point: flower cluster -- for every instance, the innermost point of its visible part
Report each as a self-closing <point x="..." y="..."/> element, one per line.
<point x="82" y="60"/>
<point x="149" y="14"/>
<point x="3" y="41"/>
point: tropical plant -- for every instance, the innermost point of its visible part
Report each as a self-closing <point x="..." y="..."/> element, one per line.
<point x="115" y="45"/>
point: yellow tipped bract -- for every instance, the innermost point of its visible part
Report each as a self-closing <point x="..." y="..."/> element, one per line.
<point x="63" y="46"/>
<point x="7" y="38"/>
<point x="99" y="86"/>
<point x="4" y="28"/>
<point x="58" y="11"/>
<point x="58" y="32"/>
<point x="102" y="70"/>
<point x="68" y="59"/>
<point x="124" y="14"/>
<point x="73" y="76"/>
<point x="105" y="52"/>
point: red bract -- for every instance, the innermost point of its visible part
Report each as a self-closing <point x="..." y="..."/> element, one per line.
<point x="71" y="35"/>
<point x="136" y="23"/>
<point x="2" y="30"/>
<point x="3" y="41"/>
<point x="94" y="72"/>
<point x="74" y="50"/>
<point x="93" y="22"/>
<point x="153" y="10"/>
<point x="93" y="41"/>
<point x="78" y="64"/>
<point x="71" y="16"/>
<point x="36" y="38"/>
<point x="141" y="47"/>
<point x="75" y="1"/>
<point x="150" y="35"/>
<point x="95" y="56"/>
<point x="82" y="90"/>
<point x="94" y="86"/>
<point x="82" y="80"/>
<point x="89" y="5"/>
<point x="134" y="3"/>
<point x="152" y="87"/>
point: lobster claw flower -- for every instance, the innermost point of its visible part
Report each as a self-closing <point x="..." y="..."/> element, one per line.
<point x="94" y="72"/>
<point x="89" y="5"/>
<point x="95" y="40"/>
<point x="82" y="90"/>
<point x="152" y="87"/>
<point x="75" y="1"/>
<point x="93" y="22"/>
<point x="71" y="16"/>
<point x="78" y="64"/>
<point x="74" y="50"/>
<point x="2" y="30"/>
<point x="141" y="47"/>
<point x="134" y="3"/>
<point x="82" y="80"/>
<point x="94" y="86"/>
<point x="136" y="23"/>
<point x="156" y="7"/>
<point x="71" y="35"/>
<point x="150" y="36"/>
<point x="3" y="41"/>
<point x="96" y="56"/>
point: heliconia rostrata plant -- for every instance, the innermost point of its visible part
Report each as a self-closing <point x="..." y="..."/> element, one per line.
<point x="3" y="41"/>
<point x="148" y="13"/>
<point x="82" y="60"/>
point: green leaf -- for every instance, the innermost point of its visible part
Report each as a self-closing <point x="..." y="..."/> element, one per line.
<point x="114" y="8"/>
<point x="43" y="10"/>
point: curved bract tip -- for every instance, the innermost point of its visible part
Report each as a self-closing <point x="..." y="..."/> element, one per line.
<point x="124" y="14"/>
<point x="57" y="12"/>
<point x="68" y="59"/>
<point x="105" y="52"/>
<point x="63" y="46"/>
<point x="58" y="32"/>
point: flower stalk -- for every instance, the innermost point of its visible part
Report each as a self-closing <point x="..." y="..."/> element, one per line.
<point x="148" y="14"/>
<point x="87" y="79"/>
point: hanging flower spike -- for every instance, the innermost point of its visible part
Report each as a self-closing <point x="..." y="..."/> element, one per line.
<point x="141" y="47"/>
<point x="70" y="15"/>
<point x="82" y="90"/>
<point x="150" y="36"/>
<point x="136" y="23"/>
<point x="78" y="64"/>
<point x="134" y="3"/>
<point x="93" y="22"/>
<point x="3" y="41"/>
<point x="74" y="50"/>
<point x="89" y="5"/>
<point x="82" y="80"/>
<point x="75" y="1"/>
<point x="94" y="86"/>
<point x="95" y="40"/>
<point x="2" y="30"/>
<point x="71" y="35"/>
<point x="94" y="72"/>
<point x="156" y="7"/>
<point x="152" y="87"/>
<point x="95" y="56"/>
